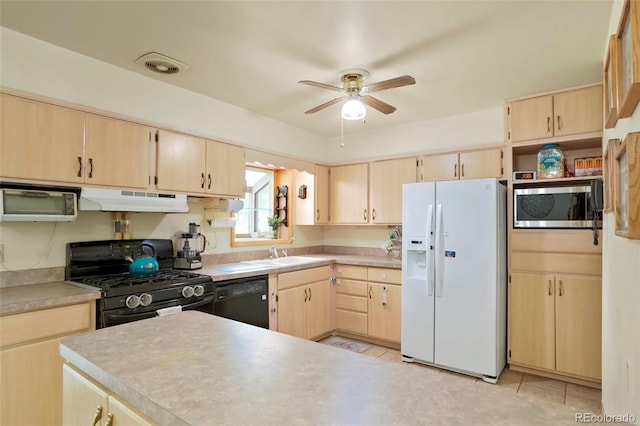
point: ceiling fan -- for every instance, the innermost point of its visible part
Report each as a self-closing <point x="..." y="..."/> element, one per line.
<point x="358" y="94"/>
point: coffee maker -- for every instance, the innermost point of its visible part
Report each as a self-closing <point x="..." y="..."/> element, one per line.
<point x="193" y="243"/>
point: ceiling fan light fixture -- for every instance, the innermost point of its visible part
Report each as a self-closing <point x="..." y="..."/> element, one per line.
<point x="353" y="109"/>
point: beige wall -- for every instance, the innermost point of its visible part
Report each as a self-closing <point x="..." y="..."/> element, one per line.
<point x="620" y="296"/>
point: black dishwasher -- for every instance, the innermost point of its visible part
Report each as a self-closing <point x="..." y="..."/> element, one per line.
<point x="244" y="300"/>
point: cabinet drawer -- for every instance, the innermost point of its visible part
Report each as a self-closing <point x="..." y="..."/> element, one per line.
<point x="385" y="275"/>
<point x="350" y="271"/>
<point x="555" y="241"/>
<point x="31" y="326"/>
<point x="351" y="321"/>
<point x="584" y="264"/>
<point x="351" y="303"/>
<point x="304" y="276"/>
<point x="355" y="288"/>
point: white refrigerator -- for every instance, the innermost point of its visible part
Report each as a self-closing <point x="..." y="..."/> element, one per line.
<point x="454" y="276"/>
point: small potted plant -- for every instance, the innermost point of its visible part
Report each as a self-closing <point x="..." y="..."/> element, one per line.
<point x="274" y="223"/>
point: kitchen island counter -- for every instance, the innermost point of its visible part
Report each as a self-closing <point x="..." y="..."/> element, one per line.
<point x="191" y="368"/>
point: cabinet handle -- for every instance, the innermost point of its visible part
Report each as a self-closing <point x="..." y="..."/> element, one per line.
<point x="309" y="295"/>
<point x="109" y="421"/>
<point x="90" y="168"/>
<point x="202" y="180"/>
<point x="462" y="170"/>
<point x="365" y="214"/>
<point x="79" y="166"/>
<point x="559" y="123"/>
<point x="370" y="288"/>
<point x="550" y="290"/>
<point x="97" y="416"/>
<point x="560" y="290"/>
<point x="209" y="184"/>
<point x="318" y="214"/>
<point x="384" y="297"/>
<point x="373" y="214"/>
<point x="305" y="295"/>
<point x="455" y="170"/>
<point x="548" y="124"/>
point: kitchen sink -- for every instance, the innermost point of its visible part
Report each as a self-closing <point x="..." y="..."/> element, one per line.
<point x="285" y="261"/>
<point x="242" y="267"/>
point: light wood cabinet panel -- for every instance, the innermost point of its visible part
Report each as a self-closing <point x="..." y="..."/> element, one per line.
<point x="292" y="311"/>
<point x="387" y="178"/>
<point x="578" y="111"/>
<point x="40" y="141"/>
<point x="532" y="324"/>
<point x="351" y="321"/>
<point x="352" y="287"/>
<point x="351" y="303"/>
<point x="568" y="263"/>
<point x="225" y="166"/>
<point x="181" y="162"/>
<point x="384" y="311"/>
<point x="31" y="384"/>
<point x="579" y="325"/>
<point x="531" y="118"/>
<point x="440" y="167"/>
<point x="123" y="415"/>
<point x="117" y="153"/>
<point x="322" y="194"/>
<point x="350" y="271"/>
<point x="349" y="193"/>
<point x="303" y="276"/>
<point x="314" y="209"/>
<point x="485" y="163"/>
<point x="385" y="275"/>
<point x="318" y="312"/>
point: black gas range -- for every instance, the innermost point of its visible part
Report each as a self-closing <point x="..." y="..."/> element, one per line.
<point x="125" y="298"/>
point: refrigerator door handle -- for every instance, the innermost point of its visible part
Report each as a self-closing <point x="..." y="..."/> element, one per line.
<point x="439" y="255"/>
<point x="430" y="273"/>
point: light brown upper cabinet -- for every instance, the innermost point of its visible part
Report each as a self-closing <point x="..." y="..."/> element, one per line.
<point x="484" y="163"/>
<point x="312" y="202"/>
<point x="117" y="153"/>
<point x="560" y="114"/>
<point x="41" y="141"/>
<point x="349" y="192"/>
<point x="195" y="165"/>
<point x="387" y="178"/>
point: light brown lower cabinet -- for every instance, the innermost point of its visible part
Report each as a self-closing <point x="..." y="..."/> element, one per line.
<point x="384" y="311"/>
<point x="85" y="402"/>
<point x="31" y="365"/>
<point x="555" y="323"/>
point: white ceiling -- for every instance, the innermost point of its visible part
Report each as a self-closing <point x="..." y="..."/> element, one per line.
<point x="465" y="55"/>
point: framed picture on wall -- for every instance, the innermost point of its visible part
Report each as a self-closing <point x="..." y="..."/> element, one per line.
<point x="628" y="36"/>
<point x="627" y="187"/>
<point x="611" y="80"/>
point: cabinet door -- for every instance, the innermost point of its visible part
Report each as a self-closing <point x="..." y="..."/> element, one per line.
<point x="322" y="194"/>
<point x="531" y="118"/>
<point x="30" y="378"/>
<point x="578" y="111"/>
<point x="387" y="178"/>
<point x="579" y="325"/>
<point x="40" y="141"/>
<point x="292" y="311"/>
<point x="225" y="169"/>
<point x="349" y="194"/>
<point x="485" y="163"/>
<point x="124" y="415"/>
<point x="181" y="162"/>
<point x="319" y="309"/>
<point x="440" y="167"/>
<point x="531" y="320"/>
<point x="117" y="153"/>
<point x="384" y="311"/>
<point x="84" y="401"/>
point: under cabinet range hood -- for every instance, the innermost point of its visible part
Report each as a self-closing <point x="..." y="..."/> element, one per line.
<point x="122" y="200"/>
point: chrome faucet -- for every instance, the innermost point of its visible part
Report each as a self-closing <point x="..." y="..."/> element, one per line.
<point x="273" y="252"/>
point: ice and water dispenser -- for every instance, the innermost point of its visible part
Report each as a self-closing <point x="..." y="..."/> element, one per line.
<point x="417" y="251"/>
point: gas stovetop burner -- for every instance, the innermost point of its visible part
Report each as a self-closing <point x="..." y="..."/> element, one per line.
<point x="108" y="282"/>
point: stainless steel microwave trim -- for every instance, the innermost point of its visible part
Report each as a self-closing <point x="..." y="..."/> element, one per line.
<point x="39" y="207"/>
<point x="552" y="190"/>
<point x="576" y="189"/>
<point x="119" y="200"/>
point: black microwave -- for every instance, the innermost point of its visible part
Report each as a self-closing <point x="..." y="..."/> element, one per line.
<point x="575" y="206"/>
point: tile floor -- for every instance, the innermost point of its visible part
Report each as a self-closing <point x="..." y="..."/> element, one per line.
<point x="541" y="391"/>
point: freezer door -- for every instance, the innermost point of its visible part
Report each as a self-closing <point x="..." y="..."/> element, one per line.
<point x="418" y="213"/>
<point x="466" y="292"/>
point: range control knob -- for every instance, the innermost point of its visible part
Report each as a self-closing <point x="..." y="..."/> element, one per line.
<point x="145" y="299"/>
<point x="198" y="290"/>
<point x="187" y="291"/>
<point x="132" y="301"/>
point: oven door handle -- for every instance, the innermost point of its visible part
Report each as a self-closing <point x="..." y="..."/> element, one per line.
<point x="199" y="303"/>
<point x="128" y="317"/>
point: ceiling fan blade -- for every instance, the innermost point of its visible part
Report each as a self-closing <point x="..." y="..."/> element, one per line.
<point x="321" y="85"/>
<point x="376" y="103"/>
<point x="404" y="80"/>
<point x="324" y="105"/>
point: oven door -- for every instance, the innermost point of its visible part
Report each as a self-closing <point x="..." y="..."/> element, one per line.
<point x="554" y="207"/>
<point x="121" y="316"/>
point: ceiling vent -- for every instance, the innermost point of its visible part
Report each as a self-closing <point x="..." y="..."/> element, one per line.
<point x="161" y="64"/>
